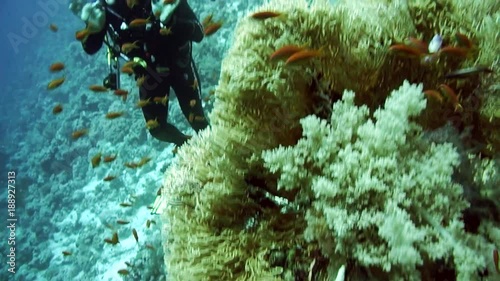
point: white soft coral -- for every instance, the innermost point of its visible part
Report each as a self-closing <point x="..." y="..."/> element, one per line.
<point x="380" y="193"/>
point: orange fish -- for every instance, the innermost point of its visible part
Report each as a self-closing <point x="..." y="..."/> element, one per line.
<point x="451" y="96"/>
<point x="53" y="27"/>
<point x="128" y="47"/>
<point x="98" y="88"/>
<point x="96" y="160"/>
<point x="82" y="35"/>
<point x="127" y="70"/>
<point x="139" y="22"/>
<point x="152" y="123"/>
<point x="162" y="100"/>
<point x="79" y="133"/>
<point x="433" y="94"/>
<point x="165" y="31"/>
<point x="140" y="81"/>
<point x="303" y="55"/>
<point x="121" y="93"/>
<point x="123" y="272"/>
<point x="406" y="51"/>
<point x="207" y="20"/>
<point x="212" y="28"/>
<point x="265" y="15"/>
<point x="55" y="83"/>
<point x="108" y="159"/>
<point x="57" y="66"/>
<point x="109" y="178"/>
<point x="114" y="114"/>
<point x="286" y="51"/>
<point x="57" y="109"/>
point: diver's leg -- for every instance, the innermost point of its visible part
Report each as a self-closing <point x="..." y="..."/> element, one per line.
<point x="186" y="84"/>
<point x="157" y="86"/>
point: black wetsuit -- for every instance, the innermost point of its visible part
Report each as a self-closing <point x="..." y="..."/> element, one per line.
<point x="169" y="62"/>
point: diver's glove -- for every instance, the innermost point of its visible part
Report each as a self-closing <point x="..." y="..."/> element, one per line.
<point x="92" y="14"/>
<point x="163" y="11"/>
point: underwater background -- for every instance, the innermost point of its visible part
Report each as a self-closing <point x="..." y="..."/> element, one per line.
<point x="61" y="201"/>
<point x="63" y="209"/>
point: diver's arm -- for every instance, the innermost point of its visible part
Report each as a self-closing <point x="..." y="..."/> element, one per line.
<point x="186" y="25"/>
<point x="93" y="42"/>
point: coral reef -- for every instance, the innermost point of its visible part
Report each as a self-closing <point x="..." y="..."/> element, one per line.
<point x="229" y="217"/>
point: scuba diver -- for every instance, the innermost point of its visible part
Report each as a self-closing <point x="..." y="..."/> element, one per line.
<point x="155" y="36"/>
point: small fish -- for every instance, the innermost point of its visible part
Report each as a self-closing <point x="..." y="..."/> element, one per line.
<point x="207" y="20"/>
<point x="57" y="66"/>
<point x="139" y="22"/>
<point x="114" y="114"/>
<point x="212" y="28"/>
<point x="109" y="158"/>
<point x="451" y="96"/>
<point x="96" y="160"/>
<point x="53" y="27"/>
<point x="464" y="41"/>
<point x="419" y="44"/>
<point x="122" y="222"/>
<point x="433" y="94"/>
<point x="128" y="47"/>
<point x="131" y="165"/>
<point x="467" y="72"/>
<point x="403" y="50"/>
<point x="304" y="55"/>
<point x="199" y="118"/>
<point x="123" y="272"/>
<point x="134" y="232"/>
<point x="114" y="239"/>
<point x="149" y="207"/>
<point x="148" y="223"/>
<point x="161" y="100"/>
<point x="454" y="51"/>
<point x="79" y="133"/>
<point x="265" y="15"/>
<point x="165" y="31"/>
<point x="66" y="253"/>
<point x="143" y="103"/>
<point x="150" y="247"/>
<point x="125" y="204"/>
<point x="127" y="70"/>
<point x="57" y="109"/>
<point x="286" y="51"/>
<point x="98" y="88"/>
<point x="144" y="160"/>
<point x="121" y="93"/>
<point x="191" y="117"/>
<point x="152" y="123"/>
<point x="55" y="83"/>
<point x="129" y="264"/>
<point x="140" y="81"/>
<point x="153" y="221"/>
<point x="109" y="178"/>
<point x="496" y="260"/>
<point x="168" y="2"/>
<point x="82" y="35"/>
